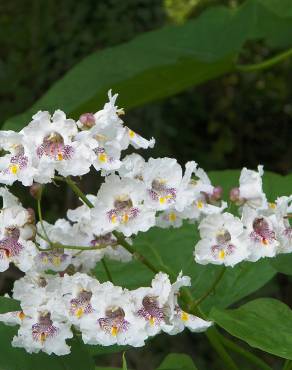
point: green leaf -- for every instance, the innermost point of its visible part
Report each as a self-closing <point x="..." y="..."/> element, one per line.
<point x="283" y="263"/>
<point x="264" y="323"/>
<point x="177" y="361"/>
<point x="162" y="63"/>
<point x="17" y="359"/>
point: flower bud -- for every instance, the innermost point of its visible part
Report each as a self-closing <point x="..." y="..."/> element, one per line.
<point x="234" y="196"/>
<point x="87" y="120"/>
<point x="36" y="190"/>
<point x="217" y="193"/>
<point x="31" y="215"/>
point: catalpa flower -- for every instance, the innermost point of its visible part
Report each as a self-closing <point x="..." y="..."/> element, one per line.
<point x="120" y="206"/>
<point x="77" y="291"/>
<point x="40" y="332"/>
<point x="17" y="163"/>
<point x="169" y="218"/>
<point x="57" y="259"/>
<point x="162" y="178"/>
<point x="250" y="191"/>
<point x="113" y="320"/>
<point x="282" y="208"/>
<point x="53" y="147"/>
<point x="16" y="230"/>
<point x="260" y="234"/>
<point x="196" y="194"/>
<point x="178" y="319"/>
<point x="150" y="302"/>
<point x="132" y="166"/>
<point x="221" y="241"/>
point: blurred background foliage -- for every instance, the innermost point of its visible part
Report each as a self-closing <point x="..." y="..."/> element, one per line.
<point x="236" y="120"/>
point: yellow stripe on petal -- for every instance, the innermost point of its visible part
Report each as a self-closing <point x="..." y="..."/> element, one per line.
<point x="79" y="313"/>
<point x="114" y="331"/>
<point x="184" y="316"/>
<point x="102" y="157"/>
<point x="14" y="168"/>
<point x="172" y="217"/>
<point x="221" y="254"/>
<point x="200" y="204"/>
<point x="43" y="337"/>
<point x="162" y="200"/>
<point x="125" y="218"/>
<point x="152" y="320"/>
<point x="56" y="261"/>
<point x="132" y="134"/>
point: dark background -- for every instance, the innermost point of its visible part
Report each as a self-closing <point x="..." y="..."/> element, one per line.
<point x="238" y="120"/>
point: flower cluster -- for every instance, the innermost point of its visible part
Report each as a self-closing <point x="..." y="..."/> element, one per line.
<point x="50" y="144"/>
<point x="263" y="230"/>
<point x="58" y="292"/>
<point x="104" y="314"/>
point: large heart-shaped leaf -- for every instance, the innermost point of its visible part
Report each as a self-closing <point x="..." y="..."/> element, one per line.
<point x="164" y="62"/>
<point x="264" y="323"/>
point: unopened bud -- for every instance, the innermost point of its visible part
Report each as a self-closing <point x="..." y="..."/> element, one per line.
<point x="234" y="195"/>
<point x="87" y="120"/>
<point x="31" y="215"/>
<point x="36" y="190"/>
<point x="217" y="193"/>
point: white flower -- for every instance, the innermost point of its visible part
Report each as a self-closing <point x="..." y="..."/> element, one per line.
<point x="132" y="166"/>
<point x="77" y="291"/>
<point x="195" y="195"/>
<point x="221" y="241"/>
<point x="150" y="302"/>
<point x="282" y="208"/>
<point x="169" y="218"/>
<point x="113" y="320"/>
<point x="40" y="332"/>
<point x="57" y="259"/>
<point x="16" y="228"/>
<point x="120" y="207"/>
<point x="251" y="188"/>
<point x="260" y="236"/>
<point x="12" y="318"/>
<point x="104" y="142"/>
<point x="162" y="178"/>
<point x="177" y="318"/>
<point x="34" y="289"/>
<point x="52" y="146"/>
<point x="137" y="141"/>
<point x="17" y="164"/>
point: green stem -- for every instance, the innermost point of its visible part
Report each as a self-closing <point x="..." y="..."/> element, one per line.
<point x="46" y="238"/>
<point x="211" y="289"/>
<point x="77" y="191"/>
<point x="107" y="271"/>
<point x="121" y="240"/>
<point x="260" y="364"/>
<point x="77" y="247"/>
<point x="214" y="339"/>
<point x="266" y="63"/>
